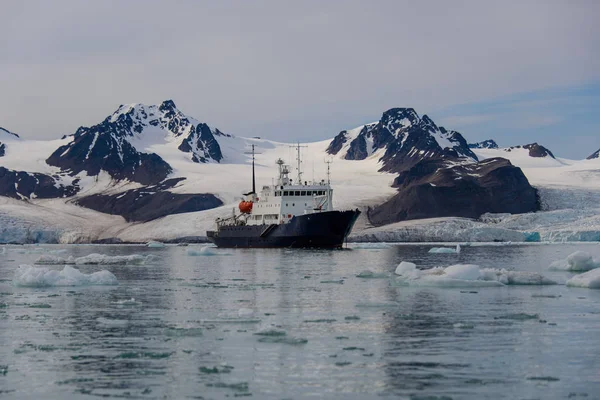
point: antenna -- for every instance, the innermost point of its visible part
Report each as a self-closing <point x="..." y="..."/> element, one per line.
<point x="328" y="161"/>
<point x="253" y="174"/>
<point x="297" y="146"/>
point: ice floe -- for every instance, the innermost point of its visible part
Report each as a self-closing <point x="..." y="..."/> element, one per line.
<point x="127" y="302"/>
<point x="29" y="276"/>
<point x="445" y="250"/>
<point x="203" y="251"/>
<point x="49" y="259"/>
<point x="103" y="259"/>
<point x="155" y="244"/>
<point x="368" y="274"/>
<point x="466" y="275"/>
<point x="590" y="280"/>
<point x="578" y="261"/>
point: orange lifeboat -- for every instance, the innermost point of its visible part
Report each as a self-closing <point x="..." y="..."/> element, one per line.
<point x="246" y="207"/>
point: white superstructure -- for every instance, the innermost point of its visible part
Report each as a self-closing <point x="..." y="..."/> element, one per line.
<point x="277" y="204"/>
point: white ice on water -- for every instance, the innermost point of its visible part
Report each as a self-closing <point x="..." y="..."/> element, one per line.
<point x="155" y="244"/>
<point x="204" y="251"/>
<point x="445" y="250"/>
<point x="103" y="259"/>
<point x="590" y="280"/>
<point x="49" y="259"/>
<point x="29" y="276"/>
<point x="577" y="262"/>
<point x="3" y="250"/>
<point x="245" y="312"/>
<point x="466" y="275"/>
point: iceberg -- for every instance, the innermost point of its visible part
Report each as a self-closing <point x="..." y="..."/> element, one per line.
<point x="93" y="259"/>
<point x="590" y="280"/>
<point x="579" y="261"/>
<point x="445" y="250"/>
<point x="466" y="275"/>
<point x="204" y="251"/>
<point x="29" y="276"/>
<point x="155" y="244"/>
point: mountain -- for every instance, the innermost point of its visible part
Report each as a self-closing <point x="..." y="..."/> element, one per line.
<point x="6" y="136"/>
<point x="439" y="174"/>
<point x="595" y="155"/>
<point x="534" y="150"/>
<point x="404" y="138"/>
<point x="486" y="144"/>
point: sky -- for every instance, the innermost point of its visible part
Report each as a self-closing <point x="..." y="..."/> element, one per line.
<point x="514" y="71"/>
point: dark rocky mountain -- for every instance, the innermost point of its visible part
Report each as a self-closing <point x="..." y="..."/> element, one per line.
<point x="594" y="155"/>
<point x="435" y="188"/>
<point x="4" y="134"/>
<point x="535" y="150"/>
<point x="406" y="138"/>
<point x="150" y="202"/>
<point x="110" y="145"/>
<point x="25" y="185"/>
<point x="486" y="144"/>
<point x="439" y="175"/>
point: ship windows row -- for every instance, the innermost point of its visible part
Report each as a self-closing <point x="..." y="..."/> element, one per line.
<point x="299" y="193"/>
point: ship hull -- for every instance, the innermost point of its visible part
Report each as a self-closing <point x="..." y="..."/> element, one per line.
<point x="319" y="230"/>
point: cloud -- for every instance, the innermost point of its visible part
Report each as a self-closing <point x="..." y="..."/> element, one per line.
<point x="302" y="70"/>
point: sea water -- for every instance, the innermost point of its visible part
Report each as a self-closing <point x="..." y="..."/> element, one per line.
<point x="196" y="322"/>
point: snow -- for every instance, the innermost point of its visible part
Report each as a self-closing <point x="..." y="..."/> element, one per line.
<point x="569" y="191"/>
<point x="466" y="275"/>
<point x="29" y="276"/>
<point x="578" y="261"/>
<point x="590" y="280"/>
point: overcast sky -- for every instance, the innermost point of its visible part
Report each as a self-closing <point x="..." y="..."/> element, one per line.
<point x="517" y="71"/>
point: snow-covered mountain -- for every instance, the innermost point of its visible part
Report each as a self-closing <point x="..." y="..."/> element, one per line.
<point x="594" y="155"/>
<point x="403" y="138"/>
<point x="6" y="136"/>
<point x="486" y="144"/>
<point x="152" y="172"/>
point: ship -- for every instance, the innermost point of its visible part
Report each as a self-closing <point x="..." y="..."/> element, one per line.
<point x="286" y="214"/>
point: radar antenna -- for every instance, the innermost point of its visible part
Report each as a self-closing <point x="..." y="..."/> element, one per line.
<point x="328" y="161"/>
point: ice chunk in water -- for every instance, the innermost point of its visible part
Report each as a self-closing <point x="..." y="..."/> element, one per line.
<point x="48" y="259"/>
<point x="155" y="244"/>
<point x="590" y="280"/>
<point x="3" y="251"/>
<point x="445" y="250"/>
<point x="578" y="261"/>
<point x="466" y="275"/>
<point x="203" y="251"/>
<point x="108" y="260"/>
<point x="28" y="276"/>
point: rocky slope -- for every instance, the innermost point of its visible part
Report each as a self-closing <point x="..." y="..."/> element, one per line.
<point x="486" y="144"/>
<point x="594" y="155"/>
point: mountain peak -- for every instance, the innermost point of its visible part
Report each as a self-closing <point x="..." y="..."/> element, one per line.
<point x="167" y="105"/>
<point x="486" y="144"/>
<point x="6" y="131"/>
<point x="595" y="155"/>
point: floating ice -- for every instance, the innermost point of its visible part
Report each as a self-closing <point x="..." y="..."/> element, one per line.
<point x="466" y="275"/>
<point x="109" y="260"/>
<point x="590" y="280"/>
<point x="28" y="276"/>
<point x="3" y="250"/>
<point x="578" y="261"/>
<point x="155" y="244"/>
<point x="112" y="322"/>
<point x="445" y="250"/>
<point x="204" y="251"/>
<point x="48" y="259"/>
<point x="368" y="274"/>
<point x="127" y="302"/>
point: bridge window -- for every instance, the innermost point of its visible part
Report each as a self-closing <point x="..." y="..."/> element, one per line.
<point x="303" y="193"/>
<point x="286" y="193"/>
<point x="297" y="193"/>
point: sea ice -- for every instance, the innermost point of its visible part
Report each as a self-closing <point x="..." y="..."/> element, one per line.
<point x="204" y="251"/>
<point x="110" y="260"/>
<point x="590" y="280"/>
<point x="127" y="302"/>
<point x="48" y="259"/>
<point x="3" y="250"/>
<point x="578" y="261"/>
<point x="466" y="275"/>
<point x="445" y="250"/>
<point x="29" y="276"/>
<point x="368" y="274"/>
<point x="155" y="244"/>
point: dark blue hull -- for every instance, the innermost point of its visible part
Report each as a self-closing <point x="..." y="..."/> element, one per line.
<point x="319" y="230"/>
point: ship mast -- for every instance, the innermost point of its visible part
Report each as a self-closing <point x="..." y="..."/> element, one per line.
<point x="253" y="176"/>
<point x="299" y="168"/>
